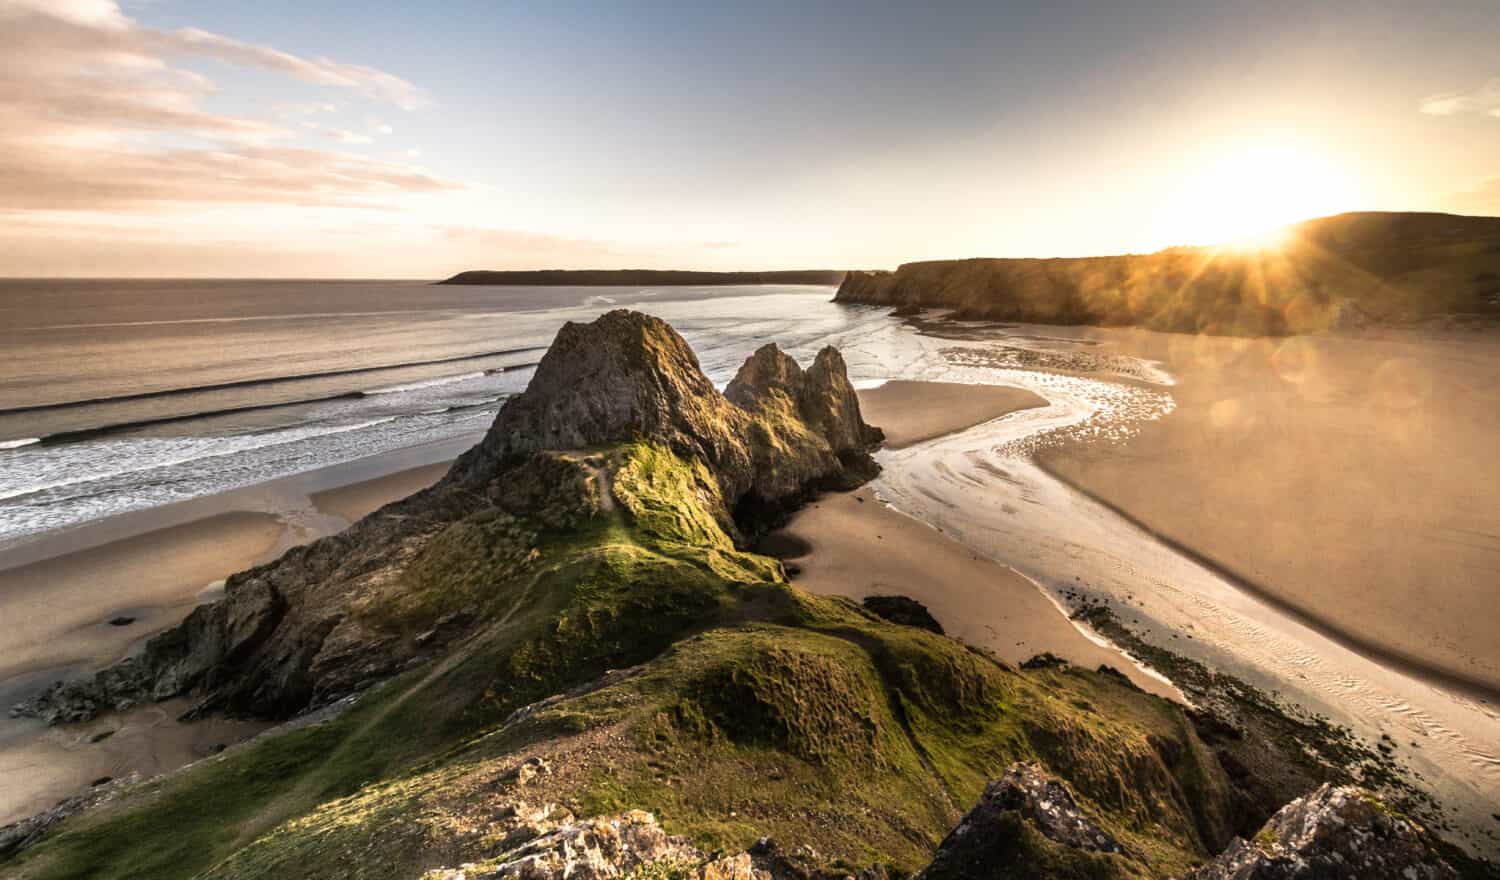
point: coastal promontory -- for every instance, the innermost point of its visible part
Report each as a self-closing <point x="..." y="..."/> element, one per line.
<point x="562" y="661"/>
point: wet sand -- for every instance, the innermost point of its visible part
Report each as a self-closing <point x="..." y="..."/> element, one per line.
<point x="910" y="412"/>
<point x="57" y="611"/>
<point x="154" y="566"/>
<point x="1353" y="480"/>
<point x="850" y="544"/>
<point x="41" y="765"/>
<point x="358" y="500"/>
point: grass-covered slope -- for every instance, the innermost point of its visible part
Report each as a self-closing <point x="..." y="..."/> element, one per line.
<point x="664" y="670"/>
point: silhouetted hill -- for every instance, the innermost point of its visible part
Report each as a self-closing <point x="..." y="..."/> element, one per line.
<point x="647" y="277"/>
<point x="1333" y="272"/>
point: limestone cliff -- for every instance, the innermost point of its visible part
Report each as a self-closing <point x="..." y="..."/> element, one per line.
<point x="1331" y="273"/>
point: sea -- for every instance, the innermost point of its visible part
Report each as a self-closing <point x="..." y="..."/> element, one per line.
<point x="118" y="395"/>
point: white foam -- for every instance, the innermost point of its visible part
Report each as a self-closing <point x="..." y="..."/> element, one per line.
<point x="426" y="383"/>
<point x="17" y="444"/>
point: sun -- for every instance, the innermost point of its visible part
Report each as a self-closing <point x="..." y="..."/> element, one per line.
<point x="1247" y="196"/>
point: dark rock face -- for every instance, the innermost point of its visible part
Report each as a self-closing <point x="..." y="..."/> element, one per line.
<point x="1335" y="833"/>
<point x="299" y="633"/>
<point x="905" y="611"/>
<point x="623" y="376"/>
<point x="991" y="840"/>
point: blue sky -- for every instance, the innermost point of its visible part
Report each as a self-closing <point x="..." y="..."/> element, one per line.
<point x="400" y="139"/>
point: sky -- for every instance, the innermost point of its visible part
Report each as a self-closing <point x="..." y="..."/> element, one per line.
<point x="324" y="138"/>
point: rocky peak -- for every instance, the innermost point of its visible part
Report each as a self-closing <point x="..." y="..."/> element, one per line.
<point x="1334" y="833"/>
<point x="830" y="405"/>
<point x="768" y="371"/>
<point x="775" y="432"/>
<point x="623" y="376"/>
<point x="991" y="839"/>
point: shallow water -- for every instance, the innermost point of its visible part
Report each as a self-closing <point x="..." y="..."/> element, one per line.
<point x="981" y="487"/>
<point x="117" y="396"/>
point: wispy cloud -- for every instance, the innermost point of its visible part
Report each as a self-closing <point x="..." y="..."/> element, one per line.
<point x="1485" y="100"/>
<point x="342" y="135"/>
<point x="94" y="115"/>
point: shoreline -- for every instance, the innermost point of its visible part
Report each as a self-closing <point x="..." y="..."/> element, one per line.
<point x="922" y="411"/>
<point x="44" y="764"/>
<point x="1392" y="658"/>
<point x="976" y="599"/>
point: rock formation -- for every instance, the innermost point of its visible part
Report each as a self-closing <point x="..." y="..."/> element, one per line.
<point x="316" y="624"/>
<point x="1334" y="833"/>
<point x="990" y="841"/>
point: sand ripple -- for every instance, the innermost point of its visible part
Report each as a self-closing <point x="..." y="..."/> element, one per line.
<point x="981" y="487"/>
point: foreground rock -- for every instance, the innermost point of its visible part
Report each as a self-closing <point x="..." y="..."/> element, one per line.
<point x="997" y="838"/>
<point x="1335" y="833"/>
<point x="333" y="617"/>
<point x="549" y="844"/>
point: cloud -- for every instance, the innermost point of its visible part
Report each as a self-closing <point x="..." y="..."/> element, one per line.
<point x="94" y="116"/>
<point x="322" y="71"/>
<point x="111" y="179"/>
<point x="1485" y="100"/>
<point x="342" y="135"/>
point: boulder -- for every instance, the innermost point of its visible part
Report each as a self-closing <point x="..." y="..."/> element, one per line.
<point x="903" y="610"/>
<point x="1334" y="833"/>
<point x="998" y="837"/>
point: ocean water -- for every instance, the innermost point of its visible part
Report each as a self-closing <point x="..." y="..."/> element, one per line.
<point x="121" y="395"/>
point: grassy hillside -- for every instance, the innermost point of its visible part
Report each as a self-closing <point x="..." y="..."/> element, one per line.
<point x="665" y="670"/>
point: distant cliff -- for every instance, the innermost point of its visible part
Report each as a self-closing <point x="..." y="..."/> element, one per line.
<point x="1334" y="272"/>
<point x="649" y="277"/>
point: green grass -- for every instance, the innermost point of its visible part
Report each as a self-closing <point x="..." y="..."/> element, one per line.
<point x="745" y="708"/>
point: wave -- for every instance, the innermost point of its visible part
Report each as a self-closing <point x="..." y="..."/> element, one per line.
<point x="17" y="444"/>
<point x="426" y="383"/>
<point x="272" y="380"/>
<point x="142" y="455"/>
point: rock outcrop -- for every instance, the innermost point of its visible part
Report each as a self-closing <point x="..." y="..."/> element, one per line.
<point x="903" y="610"/>
<point x="997" y="837"/>
<point x="547" y="843"/>
<point x="332" y="617"/>
<point x="1334" y="833"/>
<point x="774" y="433"/>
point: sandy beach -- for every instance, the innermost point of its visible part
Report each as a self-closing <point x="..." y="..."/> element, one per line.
<point x="58" y="611"/>
<point x="1351" y="479"/>
<point x="849" y="544"/>
<point x="152" y="567"/>
<point x="910" y="412"/>
<point x="356" y="501"/>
